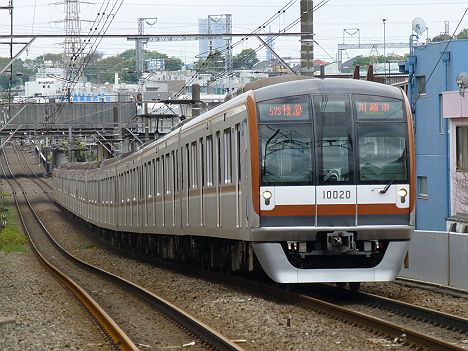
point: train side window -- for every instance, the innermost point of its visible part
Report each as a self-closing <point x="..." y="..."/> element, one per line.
<point x="187" y="166"/>
<point x="167" y="175"/>
<point x="227" y="156"/>
<point x="194" y="169"/>
<point x="156" y="177"/>
<point x="209" y="160"/>
<point x="202" y="163"/>
<point x="238" y="151"/>
<point x="174" y="174"/>
<point x="218" y="158"/>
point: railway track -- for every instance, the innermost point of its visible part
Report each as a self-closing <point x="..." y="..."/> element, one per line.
<point x="135" y="309"/>
<point x="411" y="328"/>
<point x="426" y="327"/>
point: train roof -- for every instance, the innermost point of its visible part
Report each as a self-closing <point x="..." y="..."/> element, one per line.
<point x="327" y="86"/>
<point x="265" y="90"/>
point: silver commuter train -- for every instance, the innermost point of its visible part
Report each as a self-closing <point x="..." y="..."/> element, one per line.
<point x="313" y="180"/>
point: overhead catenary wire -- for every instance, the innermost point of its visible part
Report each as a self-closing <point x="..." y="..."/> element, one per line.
<point x="254" y="32"/>
<point x="261" y="46"/>
<point x="79" y="61"/>
<point x="441" y="55"/>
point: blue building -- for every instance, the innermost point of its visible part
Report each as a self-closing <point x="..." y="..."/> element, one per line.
<point x="440" y="143"/>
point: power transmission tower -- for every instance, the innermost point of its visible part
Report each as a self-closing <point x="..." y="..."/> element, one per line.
<point x="72" y="44"/>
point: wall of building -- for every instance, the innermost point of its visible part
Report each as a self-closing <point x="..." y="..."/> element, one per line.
<point x="432" y="137"/>
<point x="439" y="258"/>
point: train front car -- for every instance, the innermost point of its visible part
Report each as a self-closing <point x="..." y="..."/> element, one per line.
<point x="332" y="180"/>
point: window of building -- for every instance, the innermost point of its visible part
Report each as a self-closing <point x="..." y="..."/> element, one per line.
<point x="422" y="187"/>
<point x="421" y="84"/>
<point x="462" y="148"/>
<point x="441" y="114"/>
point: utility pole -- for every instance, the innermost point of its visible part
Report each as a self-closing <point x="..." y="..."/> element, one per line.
<point x="384" y="20"/>
<point x="139" y="43"/>
<point x="307" y="41"/>
<point x="10" y="81"/>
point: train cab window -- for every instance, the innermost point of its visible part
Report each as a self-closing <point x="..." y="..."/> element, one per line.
<point x="382" y="152"/>
<point x="286" y="154"/>
<point x="333" y="120"/>
<point x="286" y="139"/>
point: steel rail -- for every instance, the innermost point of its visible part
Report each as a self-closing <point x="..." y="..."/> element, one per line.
<point x="411" y="337"/>
<point x="397" y="331"/>
<point x="442" y="319"/>
<point x="108" y="324"/>
<point x="36" y="178"/>
<point x="203" y="331"/>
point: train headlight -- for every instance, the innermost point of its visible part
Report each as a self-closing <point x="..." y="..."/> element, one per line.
<point x="402" y="194"/>
<point x="267" y="196"/>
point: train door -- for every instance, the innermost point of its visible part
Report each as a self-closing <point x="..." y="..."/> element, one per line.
<point x="336" y="187"/>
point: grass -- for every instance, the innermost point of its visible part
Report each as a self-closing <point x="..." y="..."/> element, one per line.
<point x="11" y="238"/>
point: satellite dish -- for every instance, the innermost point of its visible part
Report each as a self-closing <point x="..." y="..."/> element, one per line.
<point x="419" y="26"/>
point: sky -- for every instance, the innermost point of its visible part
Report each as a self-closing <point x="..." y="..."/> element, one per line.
<point x="181" y="16"/>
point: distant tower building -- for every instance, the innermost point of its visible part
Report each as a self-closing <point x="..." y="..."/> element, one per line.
<point x="215" y="24"/>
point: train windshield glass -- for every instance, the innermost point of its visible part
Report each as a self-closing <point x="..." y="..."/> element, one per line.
<point x="333" y="120"/>
<point x="286" y="154"/>
<point x="383" y="154"/>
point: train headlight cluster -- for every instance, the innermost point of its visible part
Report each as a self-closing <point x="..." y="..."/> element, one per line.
<point x="267" y="196"/>
<point x="402" y="194"/>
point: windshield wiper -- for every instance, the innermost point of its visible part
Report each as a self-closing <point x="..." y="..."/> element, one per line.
<point x="384" y="190"/>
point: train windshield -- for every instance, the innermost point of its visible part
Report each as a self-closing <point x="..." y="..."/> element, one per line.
<point x="286" y="137"/>
<point x="347" y="139"/>
<point x="381" y="139"/>
<point x="382" y="152"/>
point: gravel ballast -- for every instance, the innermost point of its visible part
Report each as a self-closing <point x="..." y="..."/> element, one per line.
<point x="255" y="322"/>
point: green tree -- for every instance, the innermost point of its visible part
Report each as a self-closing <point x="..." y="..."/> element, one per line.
<point x="103" y="69"/>
<point x="246" y="59"/>
<point x="212" y="64"/>
<point x="463" y="34"/>
<point x="21" y="71"/>
<point x="441" y="37"/>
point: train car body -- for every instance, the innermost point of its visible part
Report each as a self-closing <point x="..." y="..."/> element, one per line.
<point x="312" y="179"/>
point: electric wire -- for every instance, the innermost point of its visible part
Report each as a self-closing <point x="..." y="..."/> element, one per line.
<point x="440" y="57"/>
